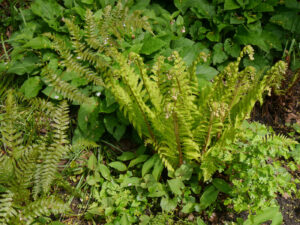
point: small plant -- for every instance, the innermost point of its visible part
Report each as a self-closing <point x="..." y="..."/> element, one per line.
<point x="32" y="140"/>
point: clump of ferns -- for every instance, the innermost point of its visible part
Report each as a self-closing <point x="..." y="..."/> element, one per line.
<point x="179" y="119"/>
<point x="86" y="52"/>
<point x="28" y="162"/>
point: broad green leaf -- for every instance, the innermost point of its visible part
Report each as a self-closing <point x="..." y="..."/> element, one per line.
<point x="158" y="168"/>
<point x="149" y="164"/>
<point x="49" y="11"/>
<point x="184" y="172"/>
<point x="206" y="72"/>
<point x="219" y="55"/>
<point x="168" y="204"/>
<point x="264" y="7"/>
<point x="151" y="45"/>
<point x="188" y="208"/>
<point x="115" y="128"/>
<point x="49" y="91"/>
<point x="124" y="220"/>
<point x="104" y="171"/>
<point x="92" y="162"/>
<point x="31" y="87"/>
<point x="38" y="43"/>
<point x="271" y="213"/>
<point x="176" y="186"/>
<point x="126" y="156"/>
<point x="221" y="185"/>
<point x="87" y="1"/>
<point x="289" y="20"/>
<point x="200" y="221"/>
<point x="56" y="223"/>
<point x="209" y="196"/>
<point x="139" y="159"/>
<point x="232" y="48"/>
<point x="131" y="181"/>
<point x="26" y="65"/>
<point x="230" y="5"/>
<point x="118" y="166"/>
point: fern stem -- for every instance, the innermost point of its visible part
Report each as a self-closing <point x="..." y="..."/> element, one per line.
<point x="176" y="131"/>
<point x="143" y="113"/>
<point x="208" y="133"/>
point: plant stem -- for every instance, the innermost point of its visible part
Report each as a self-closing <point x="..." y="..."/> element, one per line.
<point x="176" y="131"/>
<point x="4" y="48"/>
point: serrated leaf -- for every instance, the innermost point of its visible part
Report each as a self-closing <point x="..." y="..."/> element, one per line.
<point x="118" y="166"/>
<point x="104" y="171"/>
<point x="31" y="87"/>
<point x="232" y="48"/>
<point x="209" y="196"/>
<point x="176" y="185"/>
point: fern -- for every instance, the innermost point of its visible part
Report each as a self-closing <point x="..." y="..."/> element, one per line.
<point x="165" y="103"/>
<point x="29" y="161"/>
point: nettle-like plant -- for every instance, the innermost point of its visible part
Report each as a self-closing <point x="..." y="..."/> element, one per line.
<point x="33" y="140"/>
<point x="181" y="120"/>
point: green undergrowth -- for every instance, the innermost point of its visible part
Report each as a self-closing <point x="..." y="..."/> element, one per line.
<point x="136" y="112"/>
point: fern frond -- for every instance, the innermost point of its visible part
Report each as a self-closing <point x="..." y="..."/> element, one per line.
<point x="64" y="88"/>
<point x="7" y="210"/>
<point x="58" y="148"/>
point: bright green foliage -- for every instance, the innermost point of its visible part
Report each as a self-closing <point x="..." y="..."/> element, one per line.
<point x="255" y="170"/>
<point x="179" y="120"/>
<point x="33" y="141"/>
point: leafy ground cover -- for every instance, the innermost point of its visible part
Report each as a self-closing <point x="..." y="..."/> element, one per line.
<point x="138" y="112"/>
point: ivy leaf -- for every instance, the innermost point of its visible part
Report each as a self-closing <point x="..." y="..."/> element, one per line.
<point x="118" y="166"/>
<point x="152" y="45"/>
<point x="176" y="185"/>
<point x="115" y="128"/>
<point x="219" y="55"/>
<point x="209" y="196"/>
<point x="31" y="87"/>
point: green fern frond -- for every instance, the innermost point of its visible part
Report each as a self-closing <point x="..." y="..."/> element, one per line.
<point x="58" y="148"/>
<point x="7" y="210"/>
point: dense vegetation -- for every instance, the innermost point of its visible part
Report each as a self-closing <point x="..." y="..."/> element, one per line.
<point x="139" y="112"/>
